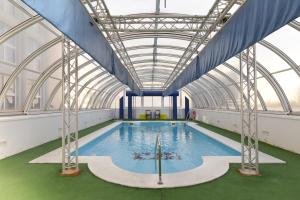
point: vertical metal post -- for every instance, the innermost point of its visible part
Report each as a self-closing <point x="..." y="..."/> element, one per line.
<point x="69" y="112"/>
<point x="158" y="156"/>
<point x="159" y="165"/>
<point x="249" y="134"/>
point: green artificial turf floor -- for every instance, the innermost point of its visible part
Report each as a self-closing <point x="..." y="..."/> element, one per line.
<point x="23" y="181"/>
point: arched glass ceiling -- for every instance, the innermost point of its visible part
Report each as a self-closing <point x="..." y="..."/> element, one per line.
<point x="30" y="60"/>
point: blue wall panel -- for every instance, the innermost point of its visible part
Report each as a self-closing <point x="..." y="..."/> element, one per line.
<point x="121" y="108"/>
<point x="186" y="107"/>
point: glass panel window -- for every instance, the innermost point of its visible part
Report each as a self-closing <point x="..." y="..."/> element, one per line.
<point x="10" y="97"/>
<point x="156" y="101"/>
<point x="137" y="101"/>
<point x="1" y="85"/>
<point x="286" y="39"/>
<point x="1" y="53"/>
<point x="290" y="83"/>
<point x="167" y="102"/>
<point x="147" y="101"/>
<point x="269" y="95"/>
<point x="9" y="54"/>
<point x="36" y="103"/>
<point x="10" y="102"/>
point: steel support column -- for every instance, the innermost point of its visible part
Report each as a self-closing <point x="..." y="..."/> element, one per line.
<point x="249" y="135"/>
<point x="174" y="107"/>
<point x="69" y="112"/>
<point x="130" y="107"/>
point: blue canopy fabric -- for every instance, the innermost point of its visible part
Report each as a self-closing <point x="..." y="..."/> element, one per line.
<point x="72" y="19"/>
<point x="251" y="23"/>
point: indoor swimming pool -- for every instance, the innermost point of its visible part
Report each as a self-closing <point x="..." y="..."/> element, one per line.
<point x="132" y="146"/>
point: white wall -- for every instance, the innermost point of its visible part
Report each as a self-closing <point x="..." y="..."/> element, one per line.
<point x="19" y="133"/>
<point x="277" y="130"/>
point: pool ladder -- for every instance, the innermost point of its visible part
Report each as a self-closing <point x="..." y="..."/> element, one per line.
<point x="158" y="158"/>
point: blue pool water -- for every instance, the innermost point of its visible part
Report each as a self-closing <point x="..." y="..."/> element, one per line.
<point x="132" y="146"/>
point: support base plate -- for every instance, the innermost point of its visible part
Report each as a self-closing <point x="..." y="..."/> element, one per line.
<point x="70" y="172"/>
<point x="248" y="172"/>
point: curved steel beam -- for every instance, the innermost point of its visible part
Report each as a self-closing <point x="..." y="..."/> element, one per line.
<point x="111" y="100"/>
<point x="282" y="55"/>
<point x="276" y="86"/>
<point x="207" y="98"/>
<point x="58" y="86"/>
<point x="232" y="82"/>
<point x="264" y="43"/>
<point x="24" y="63"/>
<point x="88" y="82"/>
<point x="210" y="98"/>
<point x="92" y="88"/>
<point x="199" y="96"/>
<point x="276" y="50"/>
<point x="294" y="24"/>
<point x="94" y="97"/>
<point x="107" y="98"/>
<point x="170" y="35"/>
<point x="151" y="61"/>
<point x="140" y="66"/>
<point x="209" y="93"/>
<point x="29" y="14"/>
<point x="196" y="104"/>
<point x="161" y="80"/>
<point x="98" y="100"/>
<point x="138" y="47"/>
<point x="202" y="102"/>
<point x="220" y="97"/>
<point x="52" y="95"/>
<point x="158" y="75"/>
<point x="237" y="71"/>
<point x="105" y="94"/>
<point x="46" y="74"/>
<point x="229" y="93"/>
<point x="164" y="71"/>
<point x="20" y="27"/>
<point x="147" y="74"/>
<point x="39" y="82"/>
<point x="145" y="70"/>
<point x="151" y="54"/>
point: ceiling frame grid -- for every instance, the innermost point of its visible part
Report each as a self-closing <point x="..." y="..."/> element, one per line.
<point x="168" y="25"/>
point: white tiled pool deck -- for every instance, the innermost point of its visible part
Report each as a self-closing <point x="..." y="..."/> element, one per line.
<point x="212" y="167"/>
